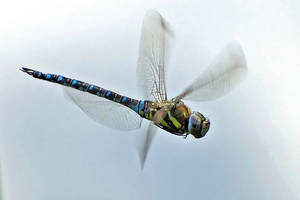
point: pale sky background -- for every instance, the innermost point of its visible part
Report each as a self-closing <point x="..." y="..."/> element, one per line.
<point x="50" y="150"/>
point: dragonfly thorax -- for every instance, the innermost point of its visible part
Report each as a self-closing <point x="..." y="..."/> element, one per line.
<point x="170" y="116"/>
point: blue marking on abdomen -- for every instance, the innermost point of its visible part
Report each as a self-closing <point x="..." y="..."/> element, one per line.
<point x="134" y="107"/>
<point x="141" y="106"/>
<point x="91" y="87"/>
<point x="124" y="99"/>
<point x="74" y="82"/>
<point x="108" y="93"/>
<point x="59" y="78"/>
<point x="48" y="76"/>
<point x="39" y="74"/>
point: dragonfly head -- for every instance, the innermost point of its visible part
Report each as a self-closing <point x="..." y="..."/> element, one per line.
<point x="198" y="125"/>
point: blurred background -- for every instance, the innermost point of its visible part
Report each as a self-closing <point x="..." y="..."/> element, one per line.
<point x="49" y="149"/>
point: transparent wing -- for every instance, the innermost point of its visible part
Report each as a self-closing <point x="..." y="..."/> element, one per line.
<point x="105" y="112"/>
<point x="146" y="143"/>
<point x="225" y="72"/>
<point x="1" y="187"/>
<point x="154" y="43"/>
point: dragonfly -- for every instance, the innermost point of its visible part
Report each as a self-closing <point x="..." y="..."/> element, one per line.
<point x="172" y="115"/>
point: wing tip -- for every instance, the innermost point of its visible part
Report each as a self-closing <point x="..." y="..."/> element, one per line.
<point x="235" y="50"/>
<point x="152" y="14"/>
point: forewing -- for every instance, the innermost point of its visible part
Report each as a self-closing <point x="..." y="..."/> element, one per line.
<point x="105" y="112"/>
<point x="154" y="43"/>
<point x="225" y="72"/>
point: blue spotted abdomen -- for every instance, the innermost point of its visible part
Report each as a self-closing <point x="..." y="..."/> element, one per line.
<point x="136" y="105"/>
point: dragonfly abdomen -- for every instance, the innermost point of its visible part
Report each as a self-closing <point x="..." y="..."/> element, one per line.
<point x="136" y="105"/>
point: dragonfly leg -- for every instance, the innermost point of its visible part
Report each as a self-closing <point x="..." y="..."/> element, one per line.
<point x="185" y="135"/>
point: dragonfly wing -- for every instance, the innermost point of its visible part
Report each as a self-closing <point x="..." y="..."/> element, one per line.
<point x="1" y="186"/>
<point x="107" y="113"/>
<point x="146" y="143"/>
<point x="154" y="42"/>
<point x="225" y="72"/>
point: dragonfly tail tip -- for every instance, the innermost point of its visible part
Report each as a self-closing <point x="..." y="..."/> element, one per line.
<point x="22" y="69"/>
<point x="26" y="70"/>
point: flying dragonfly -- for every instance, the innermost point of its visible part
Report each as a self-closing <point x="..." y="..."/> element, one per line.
<point x="172" y="115"/>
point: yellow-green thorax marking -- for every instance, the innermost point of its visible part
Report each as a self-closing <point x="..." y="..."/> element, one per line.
<point x="174" y="116"/>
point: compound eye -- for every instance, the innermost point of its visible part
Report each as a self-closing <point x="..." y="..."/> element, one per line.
<point x="206" y="125"/>
<point x="206" y="122"/>
<point x="196" y="124"/>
